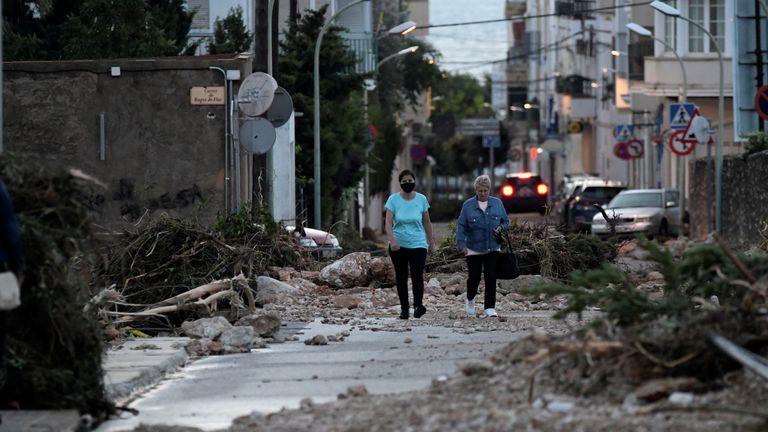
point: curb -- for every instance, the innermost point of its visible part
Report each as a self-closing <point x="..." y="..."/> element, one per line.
<point x="140" y="363"/>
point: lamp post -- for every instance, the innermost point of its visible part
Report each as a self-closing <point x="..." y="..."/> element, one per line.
<point x="367" y="181"/>
<point x="316" y="72"/>
<point x="681" y="98"/>
<point x="673" y="12"/>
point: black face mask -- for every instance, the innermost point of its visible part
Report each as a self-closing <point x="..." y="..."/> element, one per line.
<point x="407" y="187"/>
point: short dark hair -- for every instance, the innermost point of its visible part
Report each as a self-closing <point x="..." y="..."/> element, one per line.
<point x="404" y="173"/>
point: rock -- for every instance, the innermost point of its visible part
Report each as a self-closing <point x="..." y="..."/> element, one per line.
<point x="446" y="279"/>
<point x="317" y="340"/>
<point x="346" y="301"/>
<point x="680" y="398"/>
<point x="206" y="328"/>
<point x="476" y="367"/>
<point x="627" y="247"/>
<point x="215" y="347"/>
<point x="456" y="289"/>
<point x="654" y="276"/>
<point x="678" y="246"/>
<point x="237" y="339"/>
<point x="357" y="390"/>
<point x="408" y="340"/>
<point x="197" y="348"/>
<point x="306" y="404"/>
<point x="110" y="332"/>
<point x="283" y="273"/>
<point x="304" y="285"/>
<point x="258" y="343"/>
<point x="273" y="291"/>
<point x="558" y="406"/>
<point x="509" y="286"/>
<point x="381" y="270"/>
<point x="385" y="297"/>
<point x="433" y="287"/>
<point x="658" y="389"/>
<point x="538" y="334"/>
<point x="350" y="271"/>
<point x="264" y="324"/>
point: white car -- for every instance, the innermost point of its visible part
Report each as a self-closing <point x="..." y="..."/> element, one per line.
<point x="325" y="244"/>
<point x="649" y="211"/>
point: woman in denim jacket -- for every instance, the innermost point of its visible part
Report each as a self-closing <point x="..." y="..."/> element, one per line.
<point x="481" y="217"/>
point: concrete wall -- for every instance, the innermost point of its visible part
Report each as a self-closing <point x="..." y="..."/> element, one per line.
<point x="745" y="194"/>
<point x="162" y="154"/>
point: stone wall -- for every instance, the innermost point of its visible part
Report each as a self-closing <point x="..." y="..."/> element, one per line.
<point x="162" y="153"/>
<point x="744" y="199"/>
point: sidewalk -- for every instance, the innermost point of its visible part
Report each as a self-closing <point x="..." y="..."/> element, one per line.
<point x="140" y="363"/>
<point x="128" y="369"/>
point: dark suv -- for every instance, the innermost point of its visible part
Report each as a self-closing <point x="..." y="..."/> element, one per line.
<point x="581" y="208"/>
<point x="524" y="192"/>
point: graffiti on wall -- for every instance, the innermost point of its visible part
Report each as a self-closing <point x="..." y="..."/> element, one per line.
<point x="132" y="208"/>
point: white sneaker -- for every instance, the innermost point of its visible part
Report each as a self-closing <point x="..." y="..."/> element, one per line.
<point x="491" y="312"/>
<point x="469" y="306"/>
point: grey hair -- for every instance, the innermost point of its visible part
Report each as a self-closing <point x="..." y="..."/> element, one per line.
<point x="483" y="180"/>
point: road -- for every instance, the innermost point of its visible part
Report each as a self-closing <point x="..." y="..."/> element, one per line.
<point x="209" y="393"/>
<point x="442" y="229"/>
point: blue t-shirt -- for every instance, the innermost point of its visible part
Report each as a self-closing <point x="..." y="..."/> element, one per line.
<point x="407" y="227"/>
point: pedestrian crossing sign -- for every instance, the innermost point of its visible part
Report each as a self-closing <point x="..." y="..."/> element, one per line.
<point x="680" y="115"/>
<point x="624" y="133"/>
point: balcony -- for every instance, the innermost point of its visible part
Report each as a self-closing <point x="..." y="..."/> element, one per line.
<point x="663" y="77"/>
<point x="574" y="85"/>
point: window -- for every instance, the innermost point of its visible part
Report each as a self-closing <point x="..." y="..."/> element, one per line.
<point x="670" y="29"/>
<point x="710" y="14"/>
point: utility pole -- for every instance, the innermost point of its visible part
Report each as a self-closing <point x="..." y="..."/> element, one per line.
<point x="260" y="45"/>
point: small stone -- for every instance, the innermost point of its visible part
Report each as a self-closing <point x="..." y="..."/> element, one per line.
<point x="654" y="276"/>
<point x="408" y="340"/>
<point x="317" y="340"/>
<point x="332" y="338"/>
<point x="215" y="347"/>
<point x="306" y="404"/>
<point x="680" y="398"/>
<point x="477" y="367"/>
<point x="357" y="390"/>
<point x="560" y="406"/>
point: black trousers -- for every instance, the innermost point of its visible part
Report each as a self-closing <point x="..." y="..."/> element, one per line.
<point x="485" y="264"/>
<point x="402" y="259"/>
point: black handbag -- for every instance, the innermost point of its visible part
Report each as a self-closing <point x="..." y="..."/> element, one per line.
<point x="507" y="266"/>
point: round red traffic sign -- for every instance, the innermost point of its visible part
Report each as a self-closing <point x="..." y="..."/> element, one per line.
<point x="679" y="145"/>
<point x="621" y="151"/>
<point x="761" y="102"/>
<point x="635" y="148"/>
<point x="418" y="152"/>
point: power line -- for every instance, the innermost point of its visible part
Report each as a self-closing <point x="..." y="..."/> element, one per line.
<point x="524" y="17"/>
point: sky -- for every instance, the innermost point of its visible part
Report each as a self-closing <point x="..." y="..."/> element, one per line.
<point x="468" y="43"/>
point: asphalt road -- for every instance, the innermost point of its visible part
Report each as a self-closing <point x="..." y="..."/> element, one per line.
<point x="210" y="392"/>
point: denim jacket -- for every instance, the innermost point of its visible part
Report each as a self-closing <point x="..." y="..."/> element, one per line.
<point x="474" y="229"/>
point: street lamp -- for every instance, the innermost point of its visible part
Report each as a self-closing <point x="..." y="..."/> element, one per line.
<point x="404" y="51"/>
<point x="673" y="12"/>
<point x="642" y="31"/>
<point x="402" y="28"/>
<point x="369" y="148"/>
<point x="316" y="72"/>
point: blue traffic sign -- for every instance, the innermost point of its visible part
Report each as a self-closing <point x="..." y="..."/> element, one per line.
<point x="624" y="133"/>
<point x="491" y="141"/>
<point x="680" y="115"/>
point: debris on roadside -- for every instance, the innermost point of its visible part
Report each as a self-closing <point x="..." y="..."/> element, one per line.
<point x="54" y="342"/>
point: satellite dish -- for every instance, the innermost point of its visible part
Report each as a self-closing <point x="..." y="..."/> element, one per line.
<point x="257" y="136"/>
<point x="256" y="93"/>
<point x="281" y="109"/>
<point x="700" y="129"/>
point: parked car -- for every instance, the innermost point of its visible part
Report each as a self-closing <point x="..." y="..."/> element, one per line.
<point x="524" y="192"/>
<point x="655" y="212"/>
<point x="589" y="192"/>
<point x="562" y="196"/>
<point x="322" y="243"/>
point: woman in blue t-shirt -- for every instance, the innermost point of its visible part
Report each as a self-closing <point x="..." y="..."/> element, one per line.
<point x="409" y="232"/>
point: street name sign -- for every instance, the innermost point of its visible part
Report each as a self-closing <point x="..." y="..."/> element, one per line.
<point x="478" y="126"/>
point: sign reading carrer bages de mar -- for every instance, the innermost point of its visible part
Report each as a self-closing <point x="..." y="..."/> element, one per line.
<point x="206" y="95"/>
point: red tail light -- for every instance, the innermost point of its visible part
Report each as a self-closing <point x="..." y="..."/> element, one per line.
<point x="542" y="189"/>
<point x="507" y="190"/>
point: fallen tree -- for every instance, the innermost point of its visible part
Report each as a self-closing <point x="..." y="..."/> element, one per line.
<point x="711" y="293"/>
